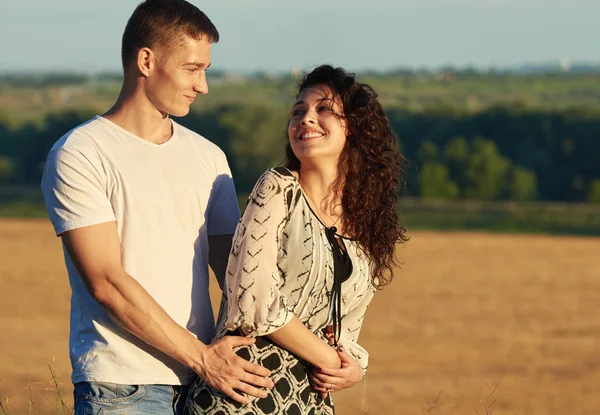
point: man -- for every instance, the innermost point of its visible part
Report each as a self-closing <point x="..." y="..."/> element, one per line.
<point x="143" y="205"/>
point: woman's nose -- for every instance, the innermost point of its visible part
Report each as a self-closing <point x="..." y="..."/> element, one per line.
<point x="308" y="118"/>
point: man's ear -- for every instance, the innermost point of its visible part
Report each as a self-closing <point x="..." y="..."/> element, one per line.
<point x="146" y="60"/>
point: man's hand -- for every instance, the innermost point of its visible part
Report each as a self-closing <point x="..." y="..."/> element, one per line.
<point x="224" y="370"/>
<point x="326" y="380"/>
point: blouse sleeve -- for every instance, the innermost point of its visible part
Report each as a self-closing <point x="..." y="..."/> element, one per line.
<point x="351" y="325"/>
<point x="255" y="304"/>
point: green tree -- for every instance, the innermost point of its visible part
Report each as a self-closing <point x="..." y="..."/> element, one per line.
<point x="428" y="152"/>
<point x="486" y="171"/>
<point x="521" y="184"/>
<point x="456" y="157"/>
<point x="7" y="169"/>
<point x="434" y="182"/>
<point x="257" y="137"/>
<point x="593" y="195"/>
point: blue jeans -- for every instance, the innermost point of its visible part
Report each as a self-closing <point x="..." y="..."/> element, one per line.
<point x="93" y="398"/>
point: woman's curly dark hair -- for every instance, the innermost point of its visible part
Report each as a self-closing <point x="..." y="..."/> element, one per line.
<point x="371" y="171"/>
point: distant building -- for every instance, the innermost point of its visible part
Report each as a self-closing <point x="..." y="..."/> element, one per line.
<point x="566" y="65"/>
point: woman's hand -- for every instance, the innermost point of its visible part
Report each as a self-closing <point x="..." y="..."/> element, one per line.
<point x="331" y="380"/>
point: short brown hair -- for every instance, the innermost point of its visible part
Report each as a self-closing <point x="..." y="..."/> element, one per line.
<point x="161" y="23"/>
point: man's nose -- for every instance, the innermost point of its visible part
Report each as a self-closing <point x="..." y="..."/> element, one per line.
<point x="201" y="86"/>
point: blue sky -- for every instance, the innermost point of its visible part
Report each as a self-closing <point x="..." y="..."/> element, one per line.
<point x="271" y="35"/>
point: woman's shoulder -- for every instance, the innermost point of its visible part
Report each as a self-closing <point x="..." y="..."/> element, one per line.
<point x="276" y="187"/>
<point x="283" y="173"/>
<point x="280" y="176"/>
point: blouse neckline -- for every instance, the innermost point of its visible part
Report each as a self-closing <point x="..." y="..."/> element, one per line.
<point x="311" y="209"/>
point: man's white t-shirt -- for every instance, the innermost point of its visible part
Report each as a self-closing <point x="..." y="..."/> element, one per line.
<point x="166" y="199"/>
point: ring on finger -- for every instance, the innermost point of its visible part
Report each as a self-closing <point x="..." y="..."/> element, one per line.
<point x="330" y="388"/>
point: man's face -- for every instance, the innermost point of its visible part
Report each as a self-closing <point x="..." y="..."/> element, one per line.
<point x="178" y="76"/>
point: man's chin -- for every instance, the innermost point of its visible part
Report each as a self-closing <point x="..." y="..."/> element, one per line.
<point x="181" y="112"/>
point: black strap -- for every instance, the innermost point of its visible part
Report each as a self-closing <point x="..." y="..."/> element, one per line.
<point x="342" y="268"/>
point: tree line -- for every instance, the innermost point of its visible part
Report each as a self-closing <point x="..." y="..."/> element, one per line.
<point x="504" y="152"/>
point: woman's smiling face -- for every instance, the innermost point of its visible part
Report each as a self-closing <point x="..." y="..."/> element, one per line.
<point x="317" y="130"/>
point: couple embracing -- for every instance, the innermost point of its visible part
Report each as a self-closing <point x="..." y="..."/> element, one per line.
<point x="144" y="206"/>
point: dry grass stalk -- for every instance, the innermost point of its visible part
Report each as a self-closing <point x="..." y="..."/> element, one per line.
<point x="489" y="403"/>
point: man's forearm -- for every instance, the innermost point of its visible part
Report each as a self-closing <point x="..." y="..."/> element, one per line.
<point x="217" y="364"/>
<point x="134" y="309"/>
<point x="298" y="339"/>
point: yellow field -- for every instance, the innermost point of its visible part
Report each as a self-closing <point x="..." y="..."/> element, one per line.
<point x="467" y="312"/>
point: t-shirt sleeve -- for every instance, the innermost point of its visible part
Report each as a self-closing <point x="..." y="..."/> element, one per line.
<point x="223" y="212"/>
<point x="255" y="303"/>
<point x="74" y="189"/>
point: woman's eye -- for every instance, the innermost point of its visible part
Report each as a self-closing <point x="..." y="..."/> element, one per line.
<point x="323" y="108"/>
<point x="296" y="112"/>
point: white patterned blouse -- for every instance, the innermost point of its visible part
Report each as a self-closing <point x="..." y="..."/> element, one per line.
<point x="281" y="264"/>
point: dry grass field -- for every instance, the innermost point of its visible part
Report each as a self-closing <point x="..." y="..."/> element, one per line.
<point x="468" y="312"/>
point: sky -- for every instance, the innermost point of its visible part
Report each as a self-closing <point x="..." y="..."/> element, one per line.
<point x="281" y="35"/>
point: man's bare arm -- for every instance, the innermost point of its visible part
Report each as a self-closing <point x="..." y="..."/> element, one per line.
<point x="95" y="251"/>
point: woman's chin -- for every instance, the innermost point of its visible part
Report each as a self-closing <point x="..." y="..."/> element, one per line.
<point x="318" y="160"/>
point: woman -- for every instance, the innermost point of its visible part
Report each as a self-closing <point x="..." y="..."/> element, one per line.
<point x="316" y="240"/>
